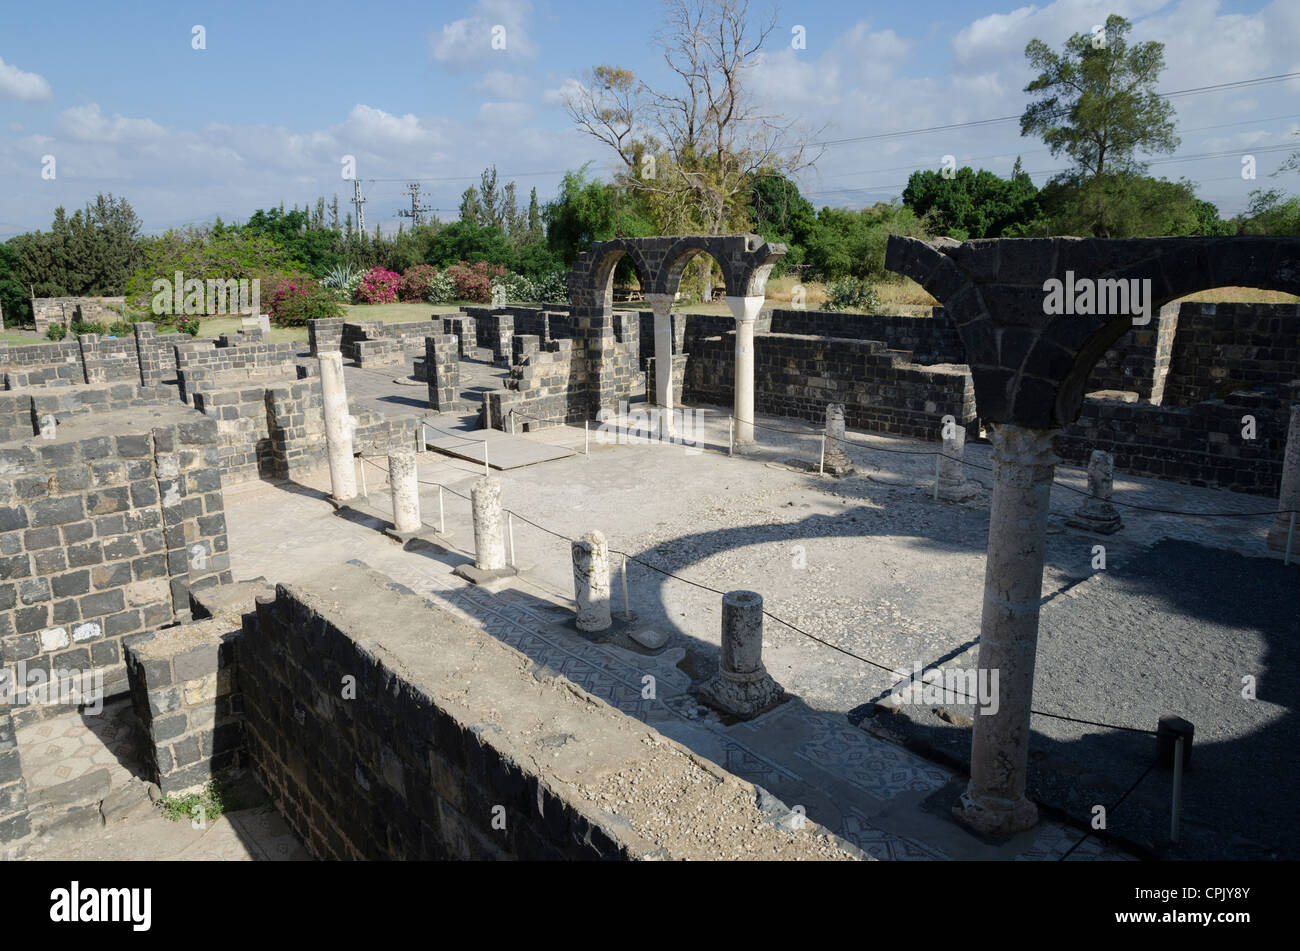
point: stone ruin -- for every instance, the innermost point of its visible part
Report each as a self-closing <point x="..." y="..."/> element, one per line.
<point x="114" y="555"/>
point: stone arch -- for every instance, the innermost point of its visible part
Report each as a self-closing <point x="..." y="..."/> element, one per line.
<point x="681" y="253"/>
<point x="1031" y="368"/>
<point x="591" y="282"/>
<point x="746" y="261"/>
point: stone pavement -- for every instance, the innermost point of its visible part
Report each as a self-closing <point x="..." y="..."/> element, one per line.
<point x="92" y="803"/>
<point x="866" y="789"/>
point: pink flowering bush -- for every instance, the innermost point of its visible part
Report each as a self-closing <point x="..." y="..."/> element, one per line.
<point x="296" y="300"/>
<point x="416" y="282"/>
<point x="474" y="281"/>
<point x="379" y="286"/>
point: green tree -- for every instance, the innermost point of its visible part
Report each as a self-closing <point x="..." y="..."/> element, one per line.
<point x="587" y="210"/>
<point x="471" y="210"/>
<point x="1097" y="104"/>
<point x="536" y="232"/>
<point x="972" y="204"/>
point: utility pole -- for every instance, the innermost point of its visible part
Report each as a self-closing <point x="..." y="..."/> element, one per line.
<point x="359" y="201"/>
<point x="416" y="208"/>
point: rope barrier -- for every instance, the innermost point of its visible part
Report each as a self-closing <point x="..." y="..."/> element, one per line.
<point x="1087" y="835"/>
<point x="780" y="620"/>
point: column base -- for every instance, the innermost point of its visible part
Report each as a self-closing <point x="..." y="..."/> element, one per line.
<point x="745" y="699"/>
<point x="1102" y="519"/>
<point x="1276" y="538"/>
<point x="957" y="491"/>
<point x="992" y="815"/>
<point x="489" y="579"/>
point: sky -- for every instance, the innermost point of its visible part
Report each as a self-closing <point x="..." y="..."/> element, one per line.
<point x="122" y="100"/>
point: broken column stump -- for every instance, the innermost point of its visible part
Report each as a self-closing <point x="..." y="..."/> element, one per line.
<point x="1097" y="514"/>
<point x="743" y="687"/>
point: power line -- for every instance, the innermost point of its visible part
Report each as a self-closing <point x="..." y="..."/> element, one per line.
<point x="1194" y="91"/>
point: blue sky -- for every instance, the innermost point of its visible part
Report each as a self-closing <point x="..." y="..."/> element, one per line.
<point x="119" y="97"/>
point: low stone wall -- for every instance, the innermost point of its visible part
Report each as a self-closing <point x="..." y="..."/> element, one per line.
<point x="182" y="683"/>
<point x="549" y="388"/>
<point x="104" y="530"/>
<point x="324" y="334"/>
<point x="932" y="339"/>
<point x="65" y="310"/>
<point x="21" y="411"/>
<point x="1194" y="445"/>
<point x="296" y="432"/>
<point x="374" y="343"/>
<point x="797" y="376"/>
<point x="230" y="362"/>
<point x="1220" y="348"/>
<point x="385" y="727"/>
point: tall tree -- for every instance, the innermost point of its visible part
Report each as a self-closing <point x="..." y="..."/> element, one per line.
<point x="510" y="212"/>
<point x="535" y="232"/>
<point x="1097" y="104"/>
<point x="471" y="209"/>
<point x="490" y="200"/>
<point x="694" y="147"/>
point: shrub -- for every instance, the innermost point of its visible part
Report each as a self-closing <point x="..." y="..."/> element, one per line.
<point x="294" y="301"/>
<point x="56" y="331"/>
<point x="553" y="287"/>
<point x="474" y="281"/>
<point x="851" y="293"/>
<point x="379" y="286"/>
<point x="88" y="327"/>
<point x="189" y="325"/>
<point x="513" y="287"/>
<point x="442" y="289"/>
<point x="415" y="283"/>
<point x="342" y="283"/>
<point x="121" y="328"/>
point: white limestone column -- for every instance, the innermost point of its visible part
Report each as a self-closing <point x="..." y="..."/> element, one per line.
<point x="1023" y="465"/>
<point x="745" y="310"/>
<point x="405" y="490"/>
<point x="662" y="305"/>
<point x="591" y="582"/>
<point x="1289" y="496"/>
<point x="338" y="426"/>
<point x="489" y="538"/>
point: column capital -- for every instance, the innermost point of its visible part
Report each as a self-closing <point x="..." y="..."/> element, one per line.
<point x="661" y="304"/>
<point x="745" y="308"/>
<point x="1023" y="447"/>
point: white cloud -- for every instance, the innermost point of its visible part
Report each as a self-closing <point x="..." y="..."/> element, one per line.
<point x="496" y="31"/>
<point x="25" y="87"/>
<point x="561" y="94"/>
<point x="88" y="124"/>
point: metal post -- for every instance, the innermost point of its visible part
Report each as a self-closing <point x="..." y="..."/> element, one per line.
<point x="510" y="534"/>
<point x="627" y="614"/>
<point x="512" y="422"/>
<point x="442" y="523"/>
<point x="424" y="438"/>
<point x="1178" y="790"/>
<point x="361" y="464"/>
<point x="1290" y="534"/>
<point x="937" y="461"/>
<point x="731" y="435"/>
<point x="487" y="471"/>
<point x="586" y="439"/>
<point x="821" y="463"/>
